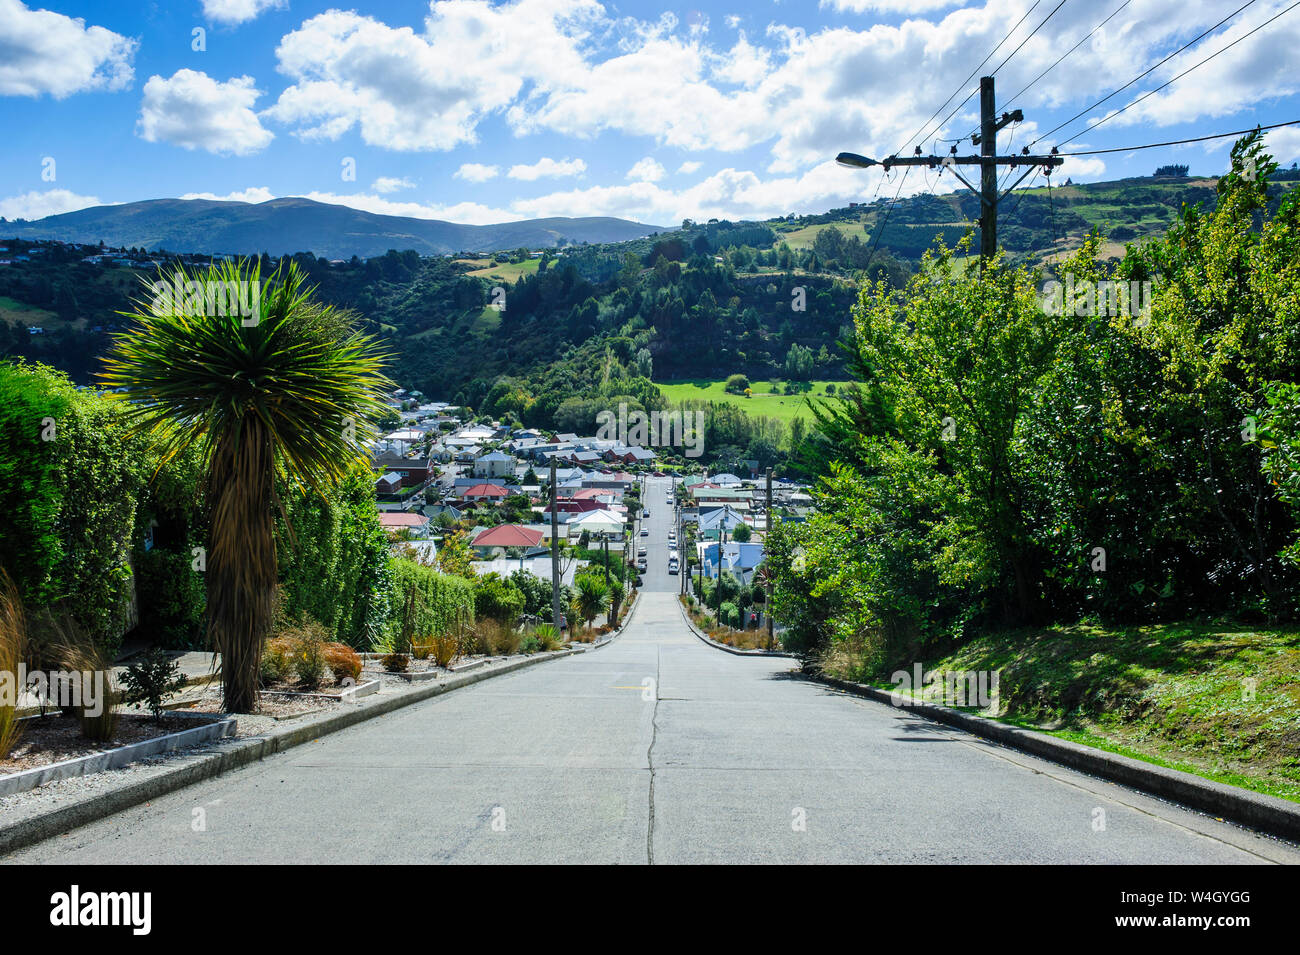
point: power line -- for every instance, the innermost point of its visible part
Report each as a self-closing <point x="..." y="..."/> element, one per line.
<point x="1179" y="142"/>
<point x="1021" y="197"/>
<point x="1028" y="38"/>
<point x="1147" y="73"/>
<point x="1067" y="53"/>
<point x="1182" y="74"/>
<point x="994" y="72"/>
<point x="962" y="84"/>
<point x="875" y="243"/>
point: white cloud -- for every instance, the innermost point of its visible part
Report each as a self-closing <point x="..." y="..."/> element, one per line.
<point x="251" y="194"/>
<point x="38" y="205"/>
<point x="578" y="68"/>
<point x="1077" y="168"/>
<point x="688" y="167"/>
<point x="891" y="6"/>
<point x="1283" y="144"/>
<point x="549" y="168"/>
<point x="426" y="90"/>
<point x="238" y="11"/>
<point x="46" y="52"/>
<point x="193" y="110"/>
<point x="470" y="213"/>
<point x="647" y="170"/>
<point x="386" y="184"/>
<point x="476" y="172"/>
<point x="728" y="193"/>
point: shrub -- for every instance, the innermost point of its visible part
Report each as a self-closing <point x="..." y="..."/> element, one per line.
<point x="529" y="644"/>
<point x="445" y="647"/>
<point x="13" y="650"/>
<point x="307" y="639"/>
<point x="91" y="686"/>
<point x="277" y="662"/>
<point x="343" y="661"/>
<point x="396" y="662"/>
<point x="497" y="598"/>
<point x="151" y="680"/>
<point x="548" y="638"/>
<point x="502" y="639"/>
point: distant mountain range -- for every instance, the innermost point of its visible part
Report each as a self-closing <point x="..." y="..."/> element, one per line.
<point x="285" y="226"/>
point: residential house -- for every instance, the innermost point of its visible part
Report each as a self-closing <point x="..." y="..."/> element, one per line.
<point x="499" y="540"/>
<point x="494" y="464"/>
<point x="485" y="492"/>
<point x="396" y="521"/>
<point x="713" y="521"/>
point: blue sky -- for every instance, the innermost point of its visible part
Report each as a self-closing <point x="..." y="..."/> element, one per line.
<point x="479" y="111"/>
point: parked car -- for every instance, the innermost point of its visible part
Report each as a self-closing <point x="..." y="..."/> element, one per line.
<point x="645" y="532"/>
<point x="645" y="513"/>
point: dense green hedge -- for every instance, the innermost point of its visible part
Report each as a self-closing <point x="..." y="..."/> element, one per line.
<point x="442" y="600"/>
<point x="79" y="507"/>
<point x="334" y="559"/>
<point x="70" y="480"/>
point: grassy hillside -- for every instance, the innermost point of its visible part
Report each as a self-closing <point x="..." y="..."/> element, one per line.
<point x="1178" y="695"/>
<point x="764" y="401"/>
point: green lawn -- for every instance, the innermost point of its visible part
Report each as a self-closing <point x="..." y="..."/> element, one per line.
<point x="12" y="310"/>
<point x="1221" y="701"/>
<point x="509" y="272"/>
<point x="763" y="402"/>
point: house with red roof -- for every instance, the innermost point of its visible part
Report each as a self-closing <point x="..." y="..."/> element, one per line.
<point x="394" y="522"/>
<point x="485" y="492"/>
<point x="497" y="540"/>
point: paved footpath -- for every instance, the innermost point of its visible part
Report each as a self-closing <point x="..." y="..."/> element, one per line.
<point x="726" y="759"/>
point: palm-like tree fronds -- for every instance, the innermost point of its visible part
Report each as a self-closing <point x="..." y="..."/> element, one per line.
<point x="289" y="387"/>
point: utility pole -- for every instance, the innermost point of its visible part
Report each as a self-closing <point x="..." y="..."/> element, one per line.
<point x="988" y="171"/>
<point x="555" y="553"/>
<point x="988" y="160"/>
<point x="767" y="536"/>
<point x="717" y="588"/>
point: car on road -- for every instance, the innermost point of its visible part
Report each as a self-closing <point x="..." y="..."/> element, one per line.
<point x="645" y="532"/>
<point x="645" y="513"/>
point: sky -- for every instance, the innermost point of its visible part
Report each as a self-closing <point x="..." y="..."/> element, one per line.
<point x="476" y="111"/>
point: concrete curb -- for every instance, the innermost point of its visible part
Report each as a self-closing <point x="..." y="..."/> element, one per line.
<point x="203" y="766"/>
<point x="1270" y="814"/>
<point x="119" y="756"/>
<point x="723" y="647"/>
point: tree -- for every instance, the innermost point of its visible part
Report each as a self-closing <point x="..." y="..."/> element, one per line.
<point x="741" y="534"/>
<point x="799" y="363"/>
<point x="737" y="385"/>
<point x="295" y="392"/>
<point x="592" y="598"/>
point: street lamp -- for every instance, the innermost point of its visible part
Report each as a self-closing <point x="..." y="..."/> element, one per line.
<point x="856" y="161"/>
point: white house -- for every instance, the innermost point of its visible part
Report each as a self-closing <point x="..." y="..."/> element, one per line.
<point x="494" y="464"/>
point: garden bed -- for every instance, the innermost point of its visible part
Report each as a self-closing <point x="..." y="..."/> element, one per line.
<point x="53" y="747"/>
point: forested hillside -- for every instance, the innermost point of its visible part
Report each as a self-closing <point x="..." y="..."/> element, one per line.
<point x="548" y="337"/>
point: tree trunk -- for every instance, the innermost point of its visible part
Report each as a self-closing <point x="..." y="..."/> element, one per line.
<point x="241" y="561"/>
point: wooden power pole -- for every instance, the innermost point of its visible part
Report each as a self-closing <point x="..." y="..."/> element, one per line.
<point x="555" y="553"/>
<point x="988" y="160"/>
<point x="767" y="537"/>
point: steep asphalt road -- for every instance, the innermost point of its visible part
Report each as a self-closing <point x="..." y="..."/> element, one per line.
<point x="721" y="759"/>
